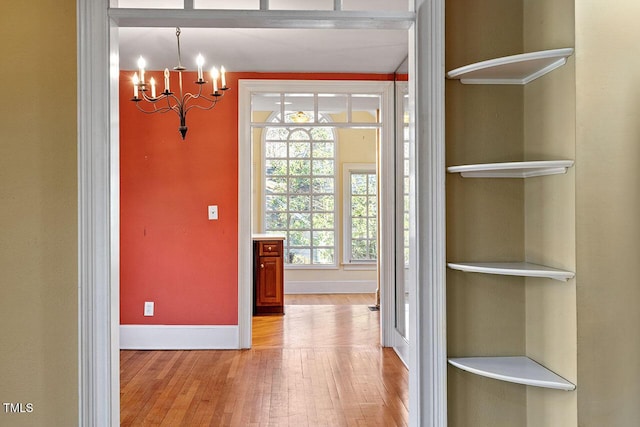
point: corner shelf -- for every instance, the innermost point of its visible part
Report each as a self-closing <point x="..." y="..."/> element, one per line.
<point x="512" y="70"/>
<point x="524" y="269"/>
<point x="512" y="169"/>
<point x="518" y="369"/>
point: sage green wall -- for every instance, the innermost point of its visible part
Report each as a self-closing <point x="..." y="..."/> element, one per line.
<point x="549" y="115"/>
<point x="608" y="212"/>
<point x="38" y="213"/>
<point x="485" y="218"/>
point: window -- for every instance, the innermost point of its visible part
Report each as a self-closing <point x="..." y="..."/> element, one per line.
<point x="299" y="187"/>
<point x="298" y="176"/>
<point x="406" y="189"/>
<point x="361" y="213"/>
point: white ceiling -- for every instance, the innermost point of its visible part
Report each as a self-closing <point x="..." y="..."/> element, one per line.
<point x="267" y="50"/>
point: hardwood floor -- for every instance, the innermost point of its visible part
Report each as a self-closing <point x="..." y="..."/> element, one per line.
<point x="330" y="299"/>
<point x="319" y="365"/>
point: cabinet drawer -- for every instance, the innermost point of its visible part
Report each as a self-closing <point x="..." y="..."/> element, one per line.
<point x="270" y="248"/>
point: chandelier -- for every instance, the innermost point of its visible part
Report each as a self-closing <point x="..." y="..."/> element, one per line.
<point x="180" y="103"/>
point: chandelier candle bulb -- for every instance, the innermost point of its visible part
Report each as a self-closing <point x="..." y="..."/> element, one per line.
<point x="223" y="77"/>
<point x="200" y="62"/>
<point x="153" y="87"/>
<point x="214" y="77"/>
<point x="141" y="64"/>
<point x="136" y="81"/>
<point x="166" y="80"/>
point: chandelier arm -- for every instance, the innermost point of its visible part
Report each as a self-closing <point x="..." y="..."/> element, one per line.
<point x="154" y="101"/>
<point x="155" y="110"/>
<point x="201" y="107"/>
<point x="188" y="96"/>
<point x="213" y="101"/>
<point x="176" y="100"/>
<point x="151" y="100"/>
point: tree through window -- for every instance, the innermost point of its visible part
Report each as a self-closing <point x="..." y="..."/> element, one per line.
<point x="299" y="183"/>
<point x="361" y="219"/>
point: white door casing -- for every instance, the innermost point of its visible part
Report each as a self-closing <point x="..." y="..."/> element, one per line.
<point x="386" y="261"/>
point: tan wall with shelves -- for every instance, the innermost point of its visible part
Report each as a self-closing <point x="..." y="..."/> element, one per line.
<point x="584" y="221"/>
<point x="485" y="218"/>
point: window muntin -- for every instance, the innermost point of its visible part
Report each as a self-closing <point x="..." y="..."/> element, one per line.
<point x="299" y="182"/>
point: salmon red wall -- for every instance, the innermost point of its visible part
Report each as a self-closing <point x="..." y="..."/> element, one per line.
<point x="170" y="252"/>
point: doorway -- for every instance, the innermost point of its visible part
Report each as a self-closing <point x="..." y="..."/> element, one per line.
<point x="97" y="138"/>
<point x="301" y="189"/>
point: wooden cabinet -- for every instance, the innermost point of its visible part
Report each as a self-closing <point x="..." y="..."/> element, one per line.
<point x="268" y="278"/>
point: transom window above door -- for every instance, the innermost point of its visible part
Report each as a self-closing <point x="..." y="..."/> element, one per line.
<point x="313" y="109"/>
<point x="395" y="5"/>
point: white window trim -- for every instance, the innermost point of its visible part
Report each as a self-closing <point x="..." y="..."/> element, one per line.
<point x="347" y="170"/>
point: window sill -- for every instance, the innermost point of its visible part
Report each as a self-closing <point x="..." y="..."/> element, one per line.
<point x="309" y="267"/>
<point x="359" y="266"/>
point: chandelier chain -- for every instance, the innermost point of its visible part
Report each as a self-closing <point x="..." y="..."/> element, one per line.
<point x="179" y="67"/>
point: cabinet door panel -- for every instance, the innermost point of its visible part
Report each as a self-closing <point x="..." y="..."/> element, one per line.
<point x="270" y="281"/>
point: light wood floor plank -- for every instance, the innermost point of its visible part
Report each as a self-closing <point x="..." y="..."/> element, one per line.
<point x="319" y="365"/>
<point x="330" y="299"/>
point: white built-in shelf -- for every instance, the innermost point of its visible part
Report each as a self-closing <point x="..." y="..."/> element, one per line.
<point x="518" y="369"/>
<point x="525" y="269"/>
<point x="512" y="70"/>
<point x="512" y="169"/>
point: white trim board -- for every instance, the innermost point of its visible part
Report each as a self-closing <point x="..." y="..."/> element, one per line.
<point x="178" y="337"/>
<point x="330" y="287"/>
<point x="428" y="310"/>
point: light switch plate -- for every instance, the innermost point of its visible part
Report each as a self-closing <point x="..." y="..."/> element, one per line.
<point x="148" y="308"/>
<point x="213" y="212"/>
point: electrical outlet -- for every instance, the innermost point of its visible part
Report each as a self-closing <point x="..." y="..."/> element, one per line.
<point x="148" y="308"/>
<point x="213" y="212"/>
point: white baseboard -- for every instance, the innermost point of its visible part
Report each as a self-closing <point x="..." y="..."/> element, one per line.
<point x="179" y="337"/>
<point x="331" y="287"/>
